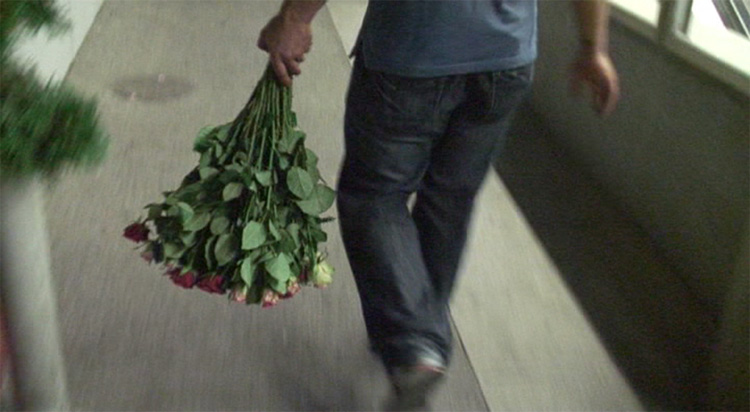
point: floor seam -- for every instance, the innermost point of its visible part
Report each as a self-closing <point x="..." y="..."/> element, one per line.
<point x="469" y="361"/>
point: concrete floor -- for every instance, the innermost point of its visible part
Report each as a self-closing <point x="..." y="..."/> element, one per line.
<point x="528" y="339"/>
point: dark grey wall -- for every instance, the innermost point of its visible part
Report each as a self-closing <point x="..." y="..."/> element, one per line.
<point x="676" y="157"/>
<point x="675" y="154"/>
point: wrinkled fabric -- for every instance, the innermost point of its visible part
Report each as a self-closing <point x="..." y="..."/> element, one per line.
<point x="430" y="38"/>
<point x="436" y="138"/>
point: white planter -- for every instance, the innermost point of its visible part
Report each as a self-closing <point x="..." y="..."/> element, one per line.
<point x="28" y="296"/>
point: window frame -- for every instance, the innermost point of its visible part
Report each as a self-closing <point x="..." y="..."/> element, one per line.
<point x="668" y="31"/>
<point x="735" y="14"/>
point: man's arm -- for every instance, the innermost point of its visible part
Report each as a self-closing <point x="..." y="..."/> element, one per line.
<point x="593" y="66"/>
<point x="288" y="37"/>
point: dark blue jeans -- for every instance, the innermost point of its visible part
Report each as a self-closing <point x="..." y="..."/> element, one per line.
<point x="435" y="137"/>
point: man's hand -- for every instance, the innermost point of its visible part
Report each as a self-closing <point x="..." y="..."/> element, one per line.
<point x="286" y="43"/>
<point x="593" y="67"/>
<point x="288" y="37"/>
<point x="595" y="71"/>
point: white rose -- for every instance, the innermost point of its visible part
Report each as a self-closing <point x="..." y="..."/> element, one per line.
<point x="322" y="274"/>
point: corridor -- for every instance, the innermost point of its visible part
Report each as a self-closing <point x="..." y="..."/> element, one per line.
<point x="542" y="316"/>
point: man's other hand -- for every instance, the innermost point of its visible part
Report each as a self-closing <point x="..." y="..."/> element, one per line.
<point x="596" y="71"/>
<point x="286" y="40"/>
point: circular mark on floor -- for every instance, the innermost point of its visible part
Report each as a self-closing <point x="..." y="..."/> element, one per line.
<point x="151" y="87"/>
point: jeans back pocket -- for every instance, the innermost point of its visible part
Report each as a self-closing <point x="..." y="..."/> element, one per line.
<point x="404" y="101"/>
<point x="509" y="88"/>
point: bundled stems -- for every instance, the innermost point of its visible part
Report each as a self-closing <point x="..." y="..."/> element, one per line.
<point x="248" y="218"/>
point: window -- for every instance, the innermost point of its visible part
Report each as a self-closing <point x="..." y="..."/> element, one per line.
<point x="719" y="28"/>
<point x="637" y="11"/>
<point x="711" y="34"/>
<point x="733" y="15"/>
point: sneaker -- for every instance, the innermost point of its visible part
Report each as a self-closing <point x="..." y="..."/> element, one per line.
<point x="413" y="384"/>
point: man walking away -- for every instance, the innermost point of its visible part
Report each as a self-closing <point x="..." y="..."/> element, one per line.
<point x="432" y="92"/>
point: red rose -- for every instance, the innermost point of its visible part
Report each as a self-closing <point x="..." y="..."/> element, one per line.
<point x="292" y="290"/>
<point x="212" y="284"/>
<point x="186" y="280"/>
<point x="137" y="232"/>
<point x="239" y="294"/>
<point x="270" y="298"/>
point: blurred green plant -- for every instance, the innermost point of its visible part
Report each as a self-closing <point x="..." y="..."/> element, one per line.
<point x="44" y="128"/>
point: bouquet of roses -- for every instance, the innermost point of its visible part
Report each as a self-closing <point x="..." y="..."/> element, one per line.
<point x="246" y="220"/>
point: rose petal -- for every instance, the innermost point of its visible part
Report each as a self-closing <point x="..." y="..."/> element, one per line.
<point x="137" y="232"/>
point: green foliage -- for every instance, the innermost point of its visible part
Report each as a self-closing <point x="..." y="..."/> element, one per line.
<point x="25" y="17"/>
<point x="43" y="128"/>
<point x="250" y="210"/>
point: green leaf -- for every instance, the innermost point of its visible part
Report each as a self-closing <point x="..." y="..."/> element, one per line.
<point x="173" y="250"/>
<point x="274" y="232"/>
<point x="235" y="167"/>
<point x="209" y="252"/>
<point x="223" y="132"/>
<point x="203" y="140"/>
<point x="247" y="271"/>
<point x="154" y="211"/>
<point x="278" y="268"/>
<point x="265" y="257"/>
<point x="287" y="144"/>
<point x="207" y="172"/>
<point x="281" y="217"/>
<point x="314" y="173"/>
<point x="229" y="176"/>
<point x="299" y="182"/>
<point x="318" y="235"/>
<point x="319" y="202"/>
<point x="240" y="158"/>
<point x="226" y="248"/>
<point x="186" y="190"/>
<point x="232" y="191"/>
<point x="284" y="162"/>
<point x="174" y="211"/>
<point x="293" y="230"/>
<point x="197" y="222"/>
<point x="249" y="181"/>
<point x="186" y="212"/>
<point x="278" y="285"/>
<point x="205" y="160"/>
<point x="219" y="225"/>
<point x="287" y="244"/>
<point x="188" y="238"/>
<point x="264" y="178"/>
<point x="253" y="235"/>
<point x="312" y="159"/>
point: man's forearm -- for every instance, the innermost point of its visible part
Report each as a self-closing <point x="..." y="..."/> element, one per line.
<point x="302" y="11"/>
<point x="593" y="24"/>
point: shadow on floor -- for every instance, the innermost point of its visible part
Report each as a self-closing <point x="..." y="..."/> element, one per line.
<point x="647" y="319"/>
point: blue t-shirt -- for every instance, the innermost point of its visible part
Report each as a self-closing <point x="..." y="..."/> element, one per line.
<point x="429" y="38"/>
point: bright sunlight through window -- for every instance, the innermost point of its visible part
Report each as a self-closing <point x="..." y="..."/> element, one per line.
<point x="711" y="34"/>
<point x="719" y="28"/>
